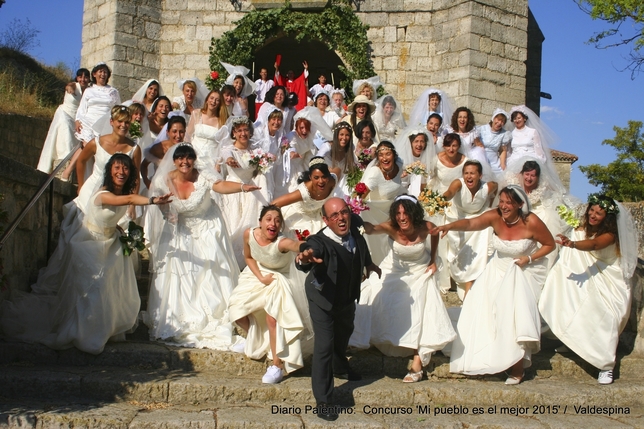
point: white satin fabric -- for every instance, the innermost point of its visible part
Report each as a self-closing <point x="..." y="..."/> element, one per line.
<point x="254" y="299"/>
<point x="499" y="324"/>
<point x="586" y="302"/>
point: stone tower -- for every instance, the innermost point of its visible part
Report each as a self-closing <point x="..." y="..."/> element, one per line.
<point x="483" y="53"/>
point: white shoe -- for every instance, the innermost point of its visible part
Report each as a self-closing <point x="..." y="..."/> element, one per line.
<point x="562" y="349"/>
<point x="239" y="347"/>
<point x="273" y="375"/>
<point x="605" y="377"/>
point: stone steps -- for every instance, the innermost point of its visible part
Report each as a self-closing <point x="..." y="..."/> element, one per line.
<point x="135" y="415"/>
<point x="146" y="355"/>
<point x="104" y="384"/>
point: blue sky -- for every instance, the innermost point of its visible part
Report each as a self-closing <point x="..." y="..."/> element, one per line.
<point x="589" y="93"/>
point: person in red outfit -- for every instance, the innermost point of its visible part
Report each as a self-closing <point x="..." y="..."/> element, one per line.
<point x="298" y="85"/>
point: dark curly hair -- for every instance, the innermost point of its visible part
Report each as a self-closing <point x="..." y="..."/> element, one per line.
<point x="322" y="166"/>
<point x="608" y="225"/>
<point x="514" y="196"/>
<point x="470" y="119"/>
<point x="130" y="183"/>
<point x="414" y="211"/>
<point x="270" y="95"/>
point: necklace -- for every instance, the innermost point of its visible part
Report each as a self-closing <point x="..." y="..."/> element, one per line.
<point x="512" y="223"/>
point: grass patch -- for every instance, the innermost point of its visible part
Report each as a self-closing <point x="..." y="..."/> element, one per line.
<point x="28" y="87"/>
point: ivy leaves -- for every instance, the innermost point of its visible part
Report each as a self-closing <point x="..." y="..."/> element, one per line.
<point x="336" y="26"/>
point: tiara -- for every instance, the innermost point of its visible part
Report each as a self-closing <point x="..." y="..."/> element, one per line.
<point x="185" y="144"/>
<point x="316" y="160"/>
<point x="406" y="197"/>
<point x="238" y="120"/>
<point x="102" y="63"/>
<point x="342" y="125"/>
<point x="606" y="204"/>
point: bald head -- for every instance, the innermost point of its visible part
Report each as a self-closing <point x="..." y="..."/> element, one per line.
<point x="337" y="216"/>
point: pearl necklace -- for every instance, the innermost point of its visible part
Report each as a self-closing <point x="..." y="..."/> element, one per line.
<point x="387" y="173"/>
<point x="512" y="223"/>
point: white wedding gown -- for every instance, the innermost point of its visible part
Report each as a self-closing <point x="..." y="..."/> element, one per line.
<point x="304" y="215"/>
<point x="241" y="210"/>
<point x="255" y="299"/>
<point x="407" y="311"/>
<point x="60" y="137"/>
<point x="499" y="324"/>
<point x="586" y="302"/>
<point x="467" y="250"/>
<point x="194" y="273"/>
<point x="440" y="181"/>
<point x="86" y="295"/>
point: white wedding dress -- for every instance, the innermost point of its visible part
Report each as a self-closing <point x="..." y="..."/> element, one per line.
<point x="586" y="302"/>
<point x="86" y="295"/>
<point x="241" y="210"/>
<point x="255" y="299"/>
<point x="499" y="324"/>
<point x="94" y="110"/>
<point x="60" y="138"/>
<point x="305" y="214"/>
<point x="467" y="250"/>
<point x="194" y="273"/>
<point x="441" y="179"/>
<point x="407" y="311"/>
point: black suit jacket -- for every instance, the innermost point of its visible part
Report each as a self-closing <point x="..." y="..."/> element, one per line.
<point x="324" y="279"/>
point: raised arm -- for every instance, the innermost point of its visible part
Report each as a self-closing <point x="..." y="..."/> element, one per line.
<point x="226" y="187"/>
<point x="111" y="199"/>
<point x="454" y="187"/>
<point x="597" y="243"/>
<point x="287" y="199"/>
<point x="478" y="223"/>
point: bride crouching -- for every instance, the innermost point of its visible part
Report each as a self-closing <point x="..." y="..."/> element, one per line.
<point x="268" y="303"/>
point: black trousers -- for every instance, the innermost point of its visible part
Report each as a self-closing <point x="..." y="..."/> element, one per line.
<point x="332" y="332"/>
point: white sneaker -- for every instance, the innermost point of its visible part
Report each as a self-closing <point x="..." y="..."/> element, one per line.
<point x="239" y="347"/>
<point x="605" y="377"/>
<point x="273" y="375"/>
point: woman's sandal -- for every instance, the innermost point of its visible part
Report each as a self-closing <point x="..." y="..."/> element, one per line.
<point x="413" y="377"/>
<point x="512" y="381"/>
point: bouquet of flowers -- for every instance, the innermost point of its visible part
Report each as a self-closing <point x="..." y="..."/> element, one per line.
<point x="135" y="130"/>
<point x="354" y="177"/>
<point x="133" y="239"/>
<point x="302" y="235"/>
<point x="262" y="161"/>
<point x="568" y="216"/>
<point x="356" y="204"/>
<point x="364" y="158"/>
<point x="433" y="202"/>
<point x="417" y="168"/>
<point x="284" y="145"/>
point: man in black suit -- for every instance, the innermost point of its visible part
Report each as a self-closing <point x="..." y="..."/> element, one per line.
<point x="335" y="258"/>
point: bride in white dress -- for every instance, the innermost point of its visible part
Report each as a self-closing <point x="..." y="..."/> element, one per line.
<point x="467" y="251"/>
<point x="586" y="298"/>
<point x="205" y="130"/>
<point x="269" y="302"/>
<point x="100" y="150"/>
<point x="60" y="138"/>
<point x="87" y="294"/>
<point x="193" y="266"/>
<point x="499" y="327"/>
<point x="408" y="316"/>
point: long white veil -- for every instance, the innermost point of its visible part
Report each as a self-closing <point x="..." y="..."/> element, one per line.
<point x="420" y="111"/>
<point x="233" y="72"/>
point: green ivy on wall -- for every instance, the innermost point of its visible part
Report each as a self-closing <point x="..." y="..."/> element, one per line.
<point x="337" y="26"/>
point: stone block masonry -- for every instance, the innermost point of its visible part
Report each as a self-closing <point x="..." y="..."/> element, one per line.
<point x="476" y="51"/>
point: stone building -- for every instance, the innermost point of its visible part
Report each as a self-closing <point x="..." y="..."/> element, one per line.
<point x="484" y="53"/>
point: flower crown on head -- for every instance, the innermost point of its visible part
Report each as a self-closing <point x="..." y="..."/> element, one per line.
<point x="606" y="204"/>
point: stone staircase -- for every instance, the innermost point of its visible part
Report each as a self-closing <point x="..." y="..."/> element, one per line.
<point x="143" y="384"/>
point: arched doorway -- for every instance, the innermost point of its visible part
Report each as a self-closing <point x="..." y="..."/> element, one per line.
<point x="320" y="58"/>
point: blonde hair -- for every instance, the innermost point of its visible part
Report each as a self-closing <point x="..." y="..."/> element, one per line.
<point x="120" y="113"/>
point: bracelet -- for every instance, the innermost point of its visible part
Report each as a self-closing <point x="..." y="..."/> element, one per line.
<point x="151" y="201"/>
<point x="241" y="186"/>
<point x="573" y="245"/>
<point x="529" y="259"/>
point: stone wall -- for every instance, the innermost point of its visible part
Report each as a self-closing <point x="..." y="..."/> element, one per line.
<point x="22" y="137"/>
<point x="25" y="252"/>
<point x="473" y="50"/>
<point x="126" y="35"/>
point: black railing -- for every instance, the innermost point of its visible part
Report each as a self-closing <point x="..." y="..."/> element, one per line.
<point x="48" y="182"/>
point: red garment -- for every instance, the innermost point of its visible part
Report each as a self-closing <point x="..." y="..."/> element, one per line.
<point x="298" y="86"/>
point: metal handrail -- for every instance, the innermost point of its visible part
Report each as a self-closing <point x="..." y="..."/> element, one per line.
<point x="34" y="199"/>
